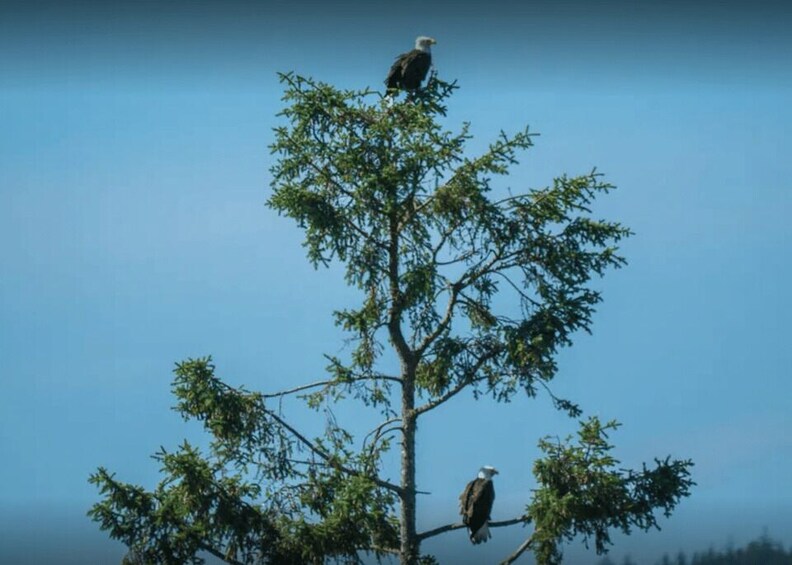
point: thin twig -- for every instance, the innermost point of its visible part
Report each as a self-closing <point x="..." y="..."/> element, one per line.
<point x="332" y="382"/>
<point x="515" y="287"/>
<point x="376" y="432"/>
<point x="444" y="323"/>
<point x="536" y="195"/>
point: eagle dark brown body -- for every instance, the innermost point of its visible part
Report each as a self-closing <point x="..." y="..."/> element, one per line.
<point x="475" y="505"/>
<point x="410" y="69"/>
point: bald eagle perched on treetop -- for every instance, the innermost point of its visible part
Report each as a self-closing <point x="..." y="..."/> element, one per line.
<point x="475" y="504"/>
<point x="410" y="69"/>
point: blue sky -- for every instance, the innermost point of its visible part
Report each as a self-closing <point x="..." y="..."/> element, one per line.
<point x="133" y="234"/>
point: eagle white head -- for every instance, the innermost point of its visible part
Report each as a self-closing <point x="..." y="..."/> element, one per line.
<point x="487" y="472"/>
<point x="423" y="43"/>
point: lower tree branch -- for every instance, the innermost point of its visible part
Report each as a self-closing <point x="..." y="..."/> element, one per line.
<point x="327" y="457"/>
<point x="524" y="546"/>
<point x="316" y="450"/>
<point x="381" y="549"/>
<point x="459" y="525"/>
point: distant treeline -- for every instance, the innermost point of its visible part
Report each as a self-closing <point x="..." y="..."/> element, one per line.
<point x="762" y="551"/>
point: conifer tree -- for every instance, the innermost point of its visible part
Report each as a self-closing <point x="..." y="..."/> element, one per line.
<point x="428" y="239"/>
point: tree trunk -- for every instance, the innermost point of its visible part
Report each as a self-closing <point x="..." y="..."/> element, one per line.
<point x="409" y="550"/>
<point x="409" y="547"/>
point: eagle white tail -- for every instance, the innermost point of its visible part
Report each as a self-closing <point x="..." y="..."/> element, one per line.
<point x="483" y="534"/>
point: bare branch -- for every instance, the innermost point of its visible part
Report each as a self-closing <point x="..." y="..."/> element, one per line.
<point x="219" y="555"/>
<point x="391" y="550"/>
<point x="379" y="432"/>
<point x="296" y="389"/>
<point x="329" y="458"/>
<point x="376" y="431"/>
<point x="515" y="287"/>
<point x="330" y="383"/>
<point x="447" y="396"/>
<point x="524" y="546"/>
<point x="458" y="259"/>
<point x="468" y="379"/>
<point x="481" y="268"/>
<point x="459" y="525"/>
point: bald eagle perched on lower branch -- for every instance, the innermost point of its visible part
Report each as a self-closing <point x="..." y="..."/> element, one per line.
<point x="410" y="69"/>
<point x="475" y="504"/>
